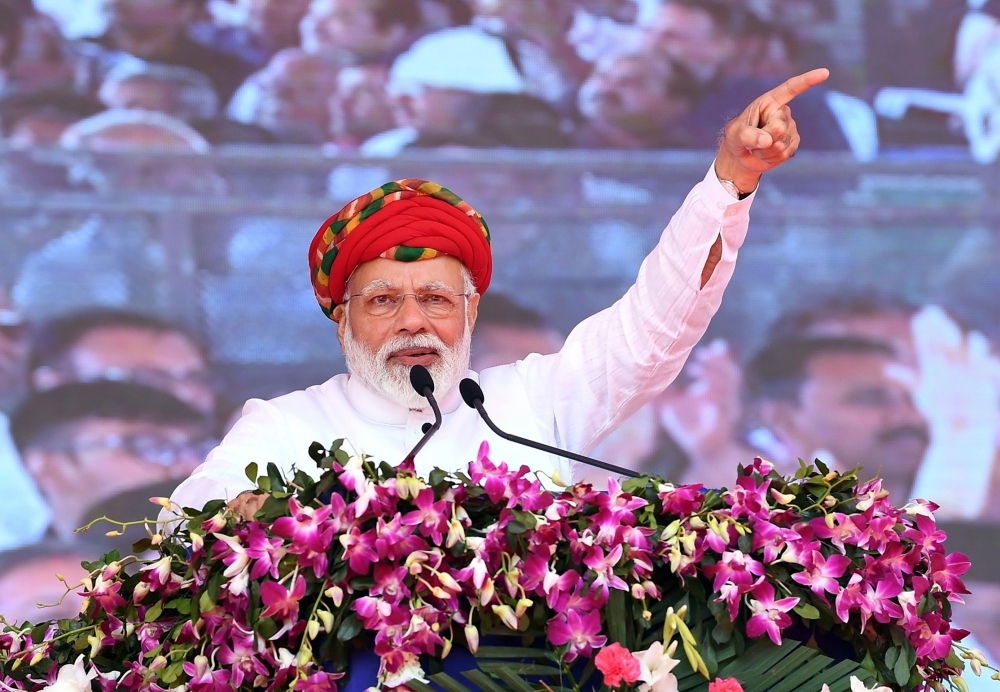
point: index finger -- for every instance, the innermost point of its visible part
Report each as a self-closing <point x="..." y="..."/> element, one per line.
<point x="784" y="93"/>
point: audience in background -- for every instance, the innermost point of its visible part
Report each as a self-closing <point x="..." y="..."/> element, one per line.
<point x="361" y="32"/>
<point x="157" y="31"/>
<point x="289" y="98"/>
<point x="268" y="27"/>
<point x="360" y="106"/>
<point x="38" y="119"/>
<point x="639" y="100"/>
<point x="10" y="40"/>
<point x="108" y="437"/>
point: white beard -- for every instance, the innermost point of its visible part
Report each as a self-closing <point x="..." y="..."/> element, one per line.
<point x="392" y="380"/>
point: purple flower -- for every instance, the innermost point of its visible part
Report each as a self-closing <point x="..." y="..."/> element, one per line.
<point x="204" y="679"/>
<point x="318" y="682"/>
<point x="281" y="603"/>
<point x="946" y="571"/>
<point x="682" y="501"/>
<point x="265" y="552"/>
<point x="581" y="630"/>
<point x="431" y="517"/>
<point x="737" y="568"/>
<point x="359" y="549"/>
<point x="769" y="615"/>
<point x="821" y="574"/>
<point x="390" y="583"/>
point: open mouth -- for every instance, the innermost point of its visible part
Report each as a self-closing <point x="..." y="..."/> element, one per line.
<point x="414" y="356"/>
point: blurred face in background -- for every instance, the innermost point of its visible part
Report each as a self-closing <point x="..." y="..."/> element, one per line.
<point x="347" y="31"/>
<point x="848" y="407"/>
<point x="295" y="90"/>
<point x="148" y="93"/>
<point x="436" y="112"/>
<point x="550" y="18"/>
<point x="42" y="60"/>
<point x="42" y="129"/>
<point x="154" y="15"/>
<point x="633" y="93"/>
<point x="275" y="20"/>
<point x="164" y="360"/>
<point x="34" y="581"/>
<point x="361" y="106"/>
<point x="892" y="327"/>
<point x="500" y="344"/>
<point x="691" y="38"/>
<point x="84" y="463"/>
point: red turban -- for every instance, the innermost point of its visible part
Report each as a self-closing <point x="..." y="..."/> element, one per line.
<point x="405" y="220"/>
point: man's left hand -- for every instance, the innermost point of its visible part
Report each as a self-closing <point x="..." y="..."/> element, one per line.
<point x="764" y="135"/>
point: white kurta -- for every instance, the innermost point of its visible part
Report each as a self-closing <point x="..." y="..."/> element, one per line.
<point x="611" y="364"/>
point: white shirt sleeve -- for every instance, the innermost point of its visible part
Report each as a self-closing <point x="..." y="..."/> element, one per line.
<point x="617" y="360"/>
<point x="260" y="436"/>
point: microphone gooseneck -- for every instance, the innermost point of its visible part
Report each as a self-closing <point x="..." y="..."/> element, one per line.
<point x="472" y="395"/>
<point x="423" y="383"/>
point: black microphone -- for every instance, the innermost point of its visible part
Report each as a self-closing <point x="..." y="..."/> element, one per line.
<point x="423" y="383"/>
<point x="473" y="395"/>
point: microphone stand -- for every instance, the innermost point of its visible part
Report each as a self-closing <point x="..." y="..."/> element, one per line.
<point x="424" y="386"/>
<point x="472" y="394"/>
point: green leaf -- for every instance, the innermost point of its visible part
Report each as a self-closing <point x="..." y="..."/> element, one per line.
<point x="807" y="611"/>
<point x="514" y="681"/>
<point x="615" y="618"/>
<point x="483" y="681"/>
<point x="154" y="612"/>
<point x="266" y="627"/>
<point x="891" y="656"/>
<point x="448" y="683"/>
<point x="252" y="472"/>
<point x="264" y="483"/>
<point x="516" y="528"/>
<point x="510" y="652"/>
<point x="901" y="669"/>
<point x="349" y="628"/>
<point x="437" y="477"/>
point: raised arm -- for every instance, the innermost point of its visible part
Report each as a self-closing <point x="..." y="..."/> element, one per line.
<point x="617" y="360"/>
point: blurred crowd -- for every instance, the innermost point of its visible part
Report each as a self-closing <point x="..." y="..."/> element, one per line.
<point x="378" y="76"/>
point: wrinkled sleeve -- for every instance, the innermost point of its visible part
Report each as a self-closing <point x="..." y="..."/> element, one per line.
<point x="617" y="360"/>
<point x="260" y="436"/>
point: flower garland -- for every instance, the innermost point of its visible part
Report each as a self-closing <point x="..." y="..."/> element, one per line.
<point x="373" y="557"/>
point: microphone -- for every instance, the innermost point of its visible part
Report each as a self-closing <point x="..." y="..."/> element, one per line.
<point x="423" y="383"/>
<point x="472" y="394"/>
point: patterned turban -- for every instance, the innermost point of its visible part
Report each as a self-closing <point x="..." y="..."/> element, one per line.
<point x="405" y="220"/>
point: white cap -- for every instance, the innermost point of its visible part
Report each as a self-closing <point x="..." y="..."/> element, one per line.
<point x="463" y="58"/>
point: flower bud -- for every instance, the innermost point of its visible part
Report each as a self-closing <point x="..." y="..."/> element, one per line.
<point x="163" y="502"/>
<point x="95" y="645"/>
<point x="36" y="657"/>
<point x="158" y="663"/>
<point x="197" y="541"/>
<point x="829" y="501"/>
<point x="448" y="582"/>
<point x="522" y="606"/>
<point x="976" y="666"/>
<point x="960" y="684"/>
<point x="446" y="648"/>
<point x="140" y="592"/>
<point x="487" y="592"/>
<point x="327" y="619"/>
<point x="696" y="523"/>
<point x="638" y="593"/>
<point x="472" y="638"/>
<point x="647" y="616"/>
<point x="312" y="629"/>
<point x="506" y="615"/>
<point x="830" y="520"/>
<point x="782" y="498"/>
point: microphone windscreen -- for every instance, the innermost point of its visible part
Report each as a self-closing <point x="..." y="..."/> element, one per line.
<point x="421" y="379"/>
<point x="471" y="392"/>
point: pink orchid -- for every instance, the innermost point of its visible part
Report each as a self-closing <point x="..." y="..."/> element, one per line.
<point x="769" y="615"/>
<point x="772" y="539"/>
<point x="603" y="565"/>
<point x="854" y="597"/>
<point x="494" y="479"/>
<point x="107" y="595"/>
<point x="821" y="574"/>
<point x="681" y="501"/>
<point x="359" y="549"/>
<point x="946" y="571"/>
<point x="237" y="651"/>
<point x="281" y="603"/>
<point x="581" y="630"/>
<point x="204" y="679"/>
<point x="318" y="682"/>
<point x="736" y="567"/>
<point x="926" y="535"/>
<point x="432" y="518"/>
<point x="265" y="552"/>
<point x="390" y="583"/>
<point x="308" y="527"/>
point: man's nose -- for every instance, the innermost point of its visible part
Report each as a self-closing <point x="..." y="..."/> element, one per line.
<point x="411" y="318"/>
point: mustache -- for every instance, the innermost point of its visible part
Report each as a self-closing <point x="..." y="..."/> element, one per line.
<point x="904" y="432"/>
<point x="428" y="341"/>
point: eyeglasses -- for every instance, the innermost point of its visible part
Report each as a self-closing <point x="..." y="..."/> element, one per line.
<point x="433" y="303"/>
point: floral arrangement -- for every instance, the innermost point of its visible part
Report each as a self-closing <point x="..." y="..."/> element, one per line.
<point x="779" y="583"/>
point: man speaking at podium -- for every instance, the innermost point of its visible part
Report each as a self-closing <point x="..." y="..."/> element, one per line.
<point x="401" y="269"/>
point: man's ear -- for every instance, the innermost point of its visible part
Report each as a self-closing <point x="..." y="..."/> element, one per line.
<point x="473" y="311"/>
<point x="339" y="316"/>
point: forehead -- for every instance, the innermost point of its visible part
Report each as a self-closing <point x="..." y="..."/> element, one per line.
<point x="409" y="275"/>
<point x="848" y="369"/>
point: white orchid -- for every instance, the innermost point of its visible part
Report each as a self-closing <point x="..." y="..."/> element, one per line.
<point x="72" y="678"/>
<point x="655" y="666"/>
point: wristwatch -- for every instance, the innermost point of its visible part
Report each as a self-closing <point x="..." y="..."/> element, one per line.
<point x="733" y="190"/>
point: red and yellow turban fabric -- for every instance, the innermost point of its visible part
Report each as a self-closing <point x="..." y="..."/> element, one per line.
<point x="405" y="220"/>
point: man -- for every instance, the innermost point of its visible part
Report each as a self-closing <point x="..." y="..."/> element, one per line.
<point x="361" y="32"/>
<point x="833" y="398"/>
<point x="100" y="345"/>
<point x="268" y="26"/>
<point x="394" y="312"/>
<point x="360" y="107"/>
<point x="442" y="99"/>
<point x="638" y="100"/>
<point x="289" y="98"/>
<point x="156" y="31"/>
<point x="733" y="55"/>
<point x="84" y="443"/>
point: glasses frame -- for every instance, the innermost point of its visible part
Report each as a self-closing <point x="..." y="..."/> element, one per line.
<point x="416" y="297"/>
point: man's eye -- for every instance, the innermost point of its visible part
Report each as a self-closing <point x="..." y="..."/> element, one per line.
<point x="382" y="299"/>
<point x="434" y="299"/>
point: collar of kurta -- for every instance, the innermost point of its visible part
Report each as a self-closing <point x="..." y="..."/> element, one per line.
<point x="380" y="409"/>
